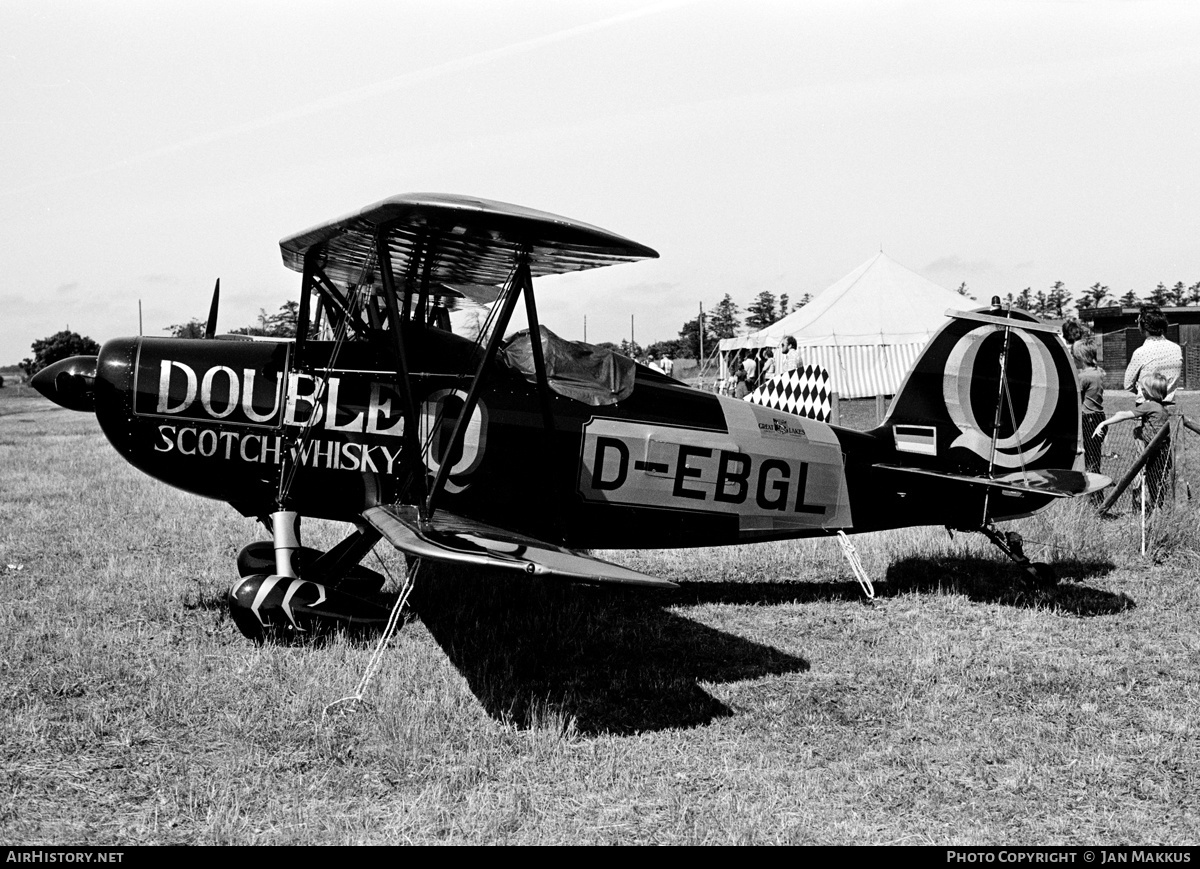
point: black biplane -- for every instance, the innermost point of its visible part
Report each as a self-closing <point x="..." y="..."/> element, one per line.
<point x="526" y="452"/>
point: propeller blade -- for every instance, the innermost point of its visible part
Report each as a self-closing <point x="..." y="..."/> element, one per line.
<point x="211" y="329"/>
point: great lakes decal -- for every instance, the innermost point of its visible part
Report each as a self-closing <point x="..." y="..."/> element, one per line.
<point x="772" y="472"/>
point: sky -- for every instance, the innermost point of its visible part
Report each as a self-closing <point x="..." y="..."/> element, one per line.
<point x="148" y="148"/>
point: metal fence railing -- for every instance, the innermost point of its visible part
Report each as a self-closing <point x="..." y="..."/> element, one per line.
<point x="1160" y="480"/>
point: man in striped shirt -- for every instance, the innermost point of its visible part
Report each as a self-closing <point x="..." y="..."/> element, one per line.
<point x="1157" y="355"/>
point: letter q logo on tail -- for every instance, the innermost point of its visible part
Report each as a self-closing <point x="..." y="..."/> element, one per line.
<point x="1042" y="399"/>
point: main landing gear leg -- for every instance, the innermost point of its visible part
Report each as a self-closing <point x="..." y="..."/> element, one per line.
<point x="1012" y="545"/>
<point x="282" y="604"/>
<point x="285" y="529"/>
<point x="284" y="555"/>
<point x="342" y="562"/>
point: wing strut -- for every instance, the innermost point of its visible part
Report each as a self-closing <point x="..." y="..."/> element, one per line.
<point x="334" y="301"/>
<point x="412" y="447"/>
<point x="521" y="282"/>
<point x="539" y="363"/>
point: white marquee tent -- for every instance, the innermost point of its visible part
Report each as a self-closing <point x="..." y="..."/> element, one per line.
<point x="866" y="329"/>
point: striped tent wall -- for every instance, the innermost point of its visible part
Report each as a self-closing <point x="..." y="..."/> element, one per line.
<point x="865" y="370"/>
<point x="857" y="370"/>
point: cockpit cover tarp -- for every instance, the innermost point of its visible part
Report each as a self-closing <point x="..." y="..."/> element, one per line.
<point x="593" y="375"/>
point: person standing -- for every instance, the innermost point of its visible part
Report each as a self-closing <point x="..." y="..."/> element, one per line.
<point x="1157" y="355"/>
<point x="740" y="390"/>
<point x="789" y="355"/>
<point x="1091" y="387"/>
<point x="751" y="367"/>
<point x="769" y="368"/>
<point x="735" y="372"/>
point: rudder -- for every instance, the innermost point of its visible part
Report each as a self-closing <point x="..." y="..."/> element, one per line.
<point x="944" y="416"/>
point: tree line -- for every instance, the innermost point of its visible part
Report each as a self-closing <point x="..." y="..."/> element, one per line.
<point x="62" y="345"/>
<point x="725" y="319"/>
<point x="281" y="324"/>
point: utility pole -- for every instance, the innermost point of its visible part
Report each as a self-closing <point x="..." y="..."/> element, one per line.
<point x="585" y="328"/>
<point x="139" y="318"/>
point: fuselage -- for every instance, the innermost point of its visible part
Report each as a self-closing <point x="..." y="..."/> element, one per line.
<point x="667" y="466"/>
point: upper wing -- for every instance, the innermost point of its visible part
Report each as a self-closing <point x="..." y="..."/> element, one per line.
<point x="455" y="539"/>
<point x="457" y="240"/>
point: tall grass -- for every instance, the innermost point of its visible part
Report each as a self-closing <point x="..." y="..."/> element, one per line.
<point x="763" y="702"/>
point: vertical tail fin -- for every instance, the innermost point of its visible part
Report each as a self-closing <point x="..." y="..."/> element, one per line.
<point x="992" y="393"/>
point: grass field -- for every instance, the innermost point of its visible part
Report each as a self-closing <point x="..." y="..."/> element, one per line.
<point x="763" y="702"/>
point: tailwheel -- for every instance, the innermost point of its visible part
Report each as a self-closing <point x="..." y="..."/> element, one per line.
<point x="1037" y="573"/>
<point x="1043" y="574"/>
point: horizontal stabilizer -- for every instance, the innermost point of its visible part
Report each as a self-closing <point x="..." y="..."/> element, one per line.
<point x="457" y="540"/>
<point x="1006" y="322"/>
<point x="1053" y="482"/>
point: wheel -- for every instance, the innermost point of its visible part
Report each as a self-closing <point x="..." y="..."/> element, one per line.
<point x="1043" y="574"/>
<point x="287" y="609"/>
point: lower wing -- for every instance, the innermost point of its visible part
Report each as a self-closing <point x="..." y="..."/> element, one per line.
<point x="458" y="540"/>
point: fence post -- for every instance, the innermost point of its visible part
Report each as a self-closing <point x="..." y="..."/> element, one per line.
<point x="1143" y="500"/>
<point x="1175" y="439"/>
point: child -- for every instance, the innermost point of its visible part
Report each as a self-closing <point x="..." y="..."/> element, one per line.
<point x="739" y="385"/>
<point x="1151" y="416"/>
<point x="768" y="365"/>
<point x="1091" y="386"/>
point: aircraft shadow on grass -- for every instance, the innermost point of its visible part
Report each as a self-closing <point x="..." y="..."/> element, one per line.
<point x="607" y="661"/>
<point x="610" y="661"/>
<point x="982" y="580"/>
<point x="538" y="651"/>
<point x="990" y="581"/>
<point x="620" y="662"/>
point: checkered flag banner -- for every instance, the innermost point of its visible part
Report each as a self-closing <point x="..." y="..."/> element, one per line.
<point x="804" y="393"/>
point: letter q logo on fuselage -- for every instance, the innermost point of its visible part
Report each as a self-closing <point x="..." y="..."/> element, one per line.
<point x="960" y="371"/>
<point x="439" y="415"/>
